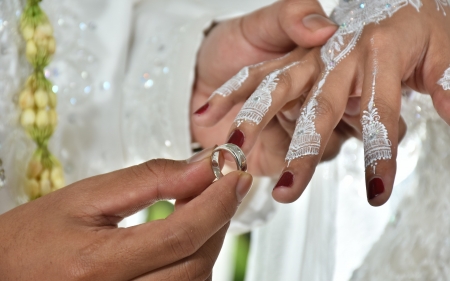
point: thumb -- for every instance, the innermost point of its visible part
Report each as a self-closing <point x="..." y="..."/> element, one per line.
<point x="285" y="24"/>
<point x="124" y="192"/>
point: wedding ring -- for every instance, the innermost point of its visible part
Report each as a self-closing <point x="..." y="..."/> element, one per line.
<point x="235" y="151"/>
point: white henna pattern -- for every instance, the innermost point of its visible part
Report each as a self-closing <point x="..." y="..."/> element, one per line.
<point x="236" y="81"/>
<point x="445" y="80"/>
<point x="377" y="146"/>
<point x="257" y="106"/>
<point x="305" y="140"/>
<point x="351" y="16"/>
<point x="233" y="84"/>
<point x="440" y="4"/>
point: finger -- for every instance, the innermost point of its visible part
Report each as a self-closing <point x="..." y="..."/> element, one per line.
<point x="183" y="233"/>
<point x="195" y="267"/>
<point x="320" y="114"/>
<point x="435" y="74"/>
<point x="353" y="119"/>
<point x="277" y="89"/>
<point x="381" y="100"/>
<point x="284" y="24"/>
<point x="237" y="90"/>
<point x="122" y="193"/>
<point x="440" y="93"/>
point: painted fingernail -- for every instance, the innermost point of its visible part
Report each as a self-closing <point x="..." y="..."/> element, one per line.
<point x="375" y="188"/>
<point x="199" y="156"/>
<point x="237" y="138"/>
<point x="202" y="109"/>
<point x="286" y="180"/>
<point x="315" y="22"/>
<point x="243" y="186"/>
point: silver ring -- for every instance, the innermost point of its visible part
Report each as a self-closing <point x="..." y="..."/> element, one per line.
<point x="236" y="152"/>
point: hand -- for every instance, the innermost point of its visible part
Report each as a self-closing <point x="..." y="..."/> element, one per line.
<point x="386" y="58"/>
<point x="72" y="234"/>
<point x="266" y="34"/>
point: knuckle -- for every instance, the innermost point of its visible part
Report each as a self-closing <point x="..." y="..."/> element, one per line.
<point x="181" y="241"/>
<point x="386" y="111"/>
<point x="195" y="270"/>
<point x="285" y="82"/>
<point x="325" y="107"/>
<point x="224" y="210"/>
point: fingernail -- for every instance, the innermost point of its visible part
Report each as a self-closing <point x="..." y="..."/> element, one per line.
<point x="374" y="188"/>
<point x="199" y="156"/>
<point x="286" y="180"/>
<point x="315" y="22"/>
<point x="202" y="109"/>
<point x="237" y="138"/>
<point x="243" y="186"/>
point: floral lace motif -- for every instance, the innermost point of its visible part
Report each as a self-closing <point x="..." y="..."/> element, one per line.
<point x="377" y="146"/>
<point x="257" y="106"/>
<point x="233" y="84"/>
<point x="445" y="80"/>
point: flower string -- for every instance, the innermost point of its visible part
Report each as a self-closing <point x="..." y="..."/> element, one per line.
<point x="37" y="102"/>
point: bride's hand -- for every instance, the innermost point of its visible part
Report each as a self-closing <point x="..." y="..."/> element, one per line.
<point x="379" y="49"/>
<point x="266" y="34"/>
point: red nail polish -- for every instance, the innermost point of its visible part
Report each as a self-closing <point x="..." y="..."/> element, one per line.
<point x="202" y="109"/>
<point x="237" y="138"/>
<point x="286" y="180"/>
<point x="375" y="188"/>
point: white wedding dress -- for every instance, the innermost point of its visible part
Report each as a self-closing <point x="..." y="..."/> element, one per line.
<point x="124" y="72"/>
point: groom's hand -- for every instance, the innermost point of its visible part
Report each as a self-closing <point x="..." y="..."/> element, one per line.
<point x="72" y="234"/>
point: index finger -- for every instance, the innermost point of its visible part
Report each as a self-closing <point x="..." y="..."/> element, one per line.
<point x="154" y="245"/>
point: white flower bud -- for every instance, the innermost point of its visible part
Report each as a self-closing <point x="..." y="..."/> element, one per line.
<point x="32" y="188"/>
<point x="26" y="99"/>
<point x="58" y="183"/>
<point x="42" y="118"/>
<point x="57" y="177"/>
<point x="45" y="175"/>
<point x="28" y="117"/>
<point x="52" y="99"/>
<point x="46" y="186"/>
<point x="41" y="44"/>
<point x="51" y="46"/>
<point x="34" y="168"/>
<point x="53" y="117"/>
<point x="44" y="30"/>
<point x="41" y="98"/>
<point x="28" y="32"/>
<point x="31" y="50"/>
